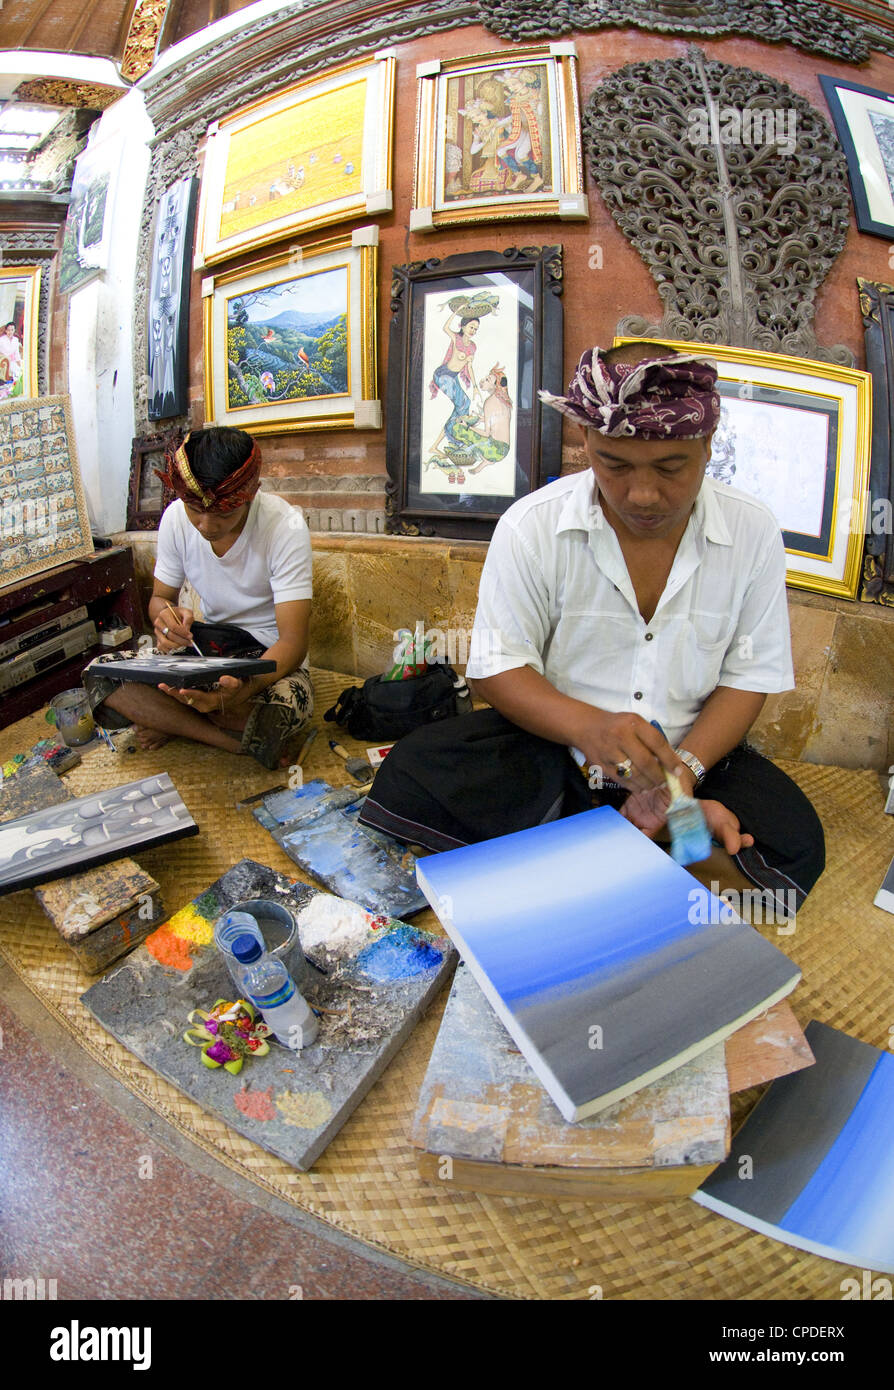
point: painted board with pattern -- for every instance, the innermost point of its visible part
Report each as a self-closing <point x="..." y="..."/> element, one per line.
<point x="42" y="502"/>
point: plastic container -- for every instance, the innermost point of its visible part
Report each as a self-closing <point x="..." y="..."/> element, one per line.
<point x="74" y="720"/>
<point x="273" y="926"/>
<point x="268" y="985"/>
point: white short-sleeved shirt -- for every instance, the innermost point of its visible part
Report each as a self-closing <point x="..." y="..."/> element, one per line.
<point x="269" y="563"/>
<point x="555" y="595"/>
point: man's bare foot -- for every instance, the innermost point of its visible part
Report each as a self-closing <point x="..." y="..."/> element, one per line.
<point x="150" y="738"/>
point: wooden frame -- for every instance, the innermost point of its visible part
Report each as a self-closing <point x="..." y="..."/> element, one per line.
<point x="877" y="306"/>
<point x="20" y="305"/>
<point x="498" y="136"/>
<point x="43" y="510"/>
<point x="167" y="328"/>
<point x="302" y="180"/>
<point x="467" y="434"/>
<point x="290" y="342"/>
<point x="809" y="425"/>
<point x="147" y="495"/>
<point x="85" y="244"/>
<point x="864" y="119"/>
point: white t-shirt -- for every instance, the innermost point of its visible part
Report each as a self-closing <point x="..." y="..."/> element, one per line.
<point x="555" y="595"/>
<point x="270" y="562"/>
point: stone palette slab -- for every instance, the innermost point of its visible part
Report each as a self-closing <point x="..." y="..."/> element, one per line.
<point x="380" y="975"/>
<point x="317" y="827"/>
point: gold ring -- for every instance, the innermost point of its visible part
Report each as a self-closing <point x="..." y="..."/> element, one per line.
<point x="625" y="768"/>
<point x="189" y="701"/>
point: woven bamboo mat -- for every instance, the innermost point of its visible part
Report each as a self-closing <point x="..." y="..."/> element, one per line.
<point x="366" y="1182"/>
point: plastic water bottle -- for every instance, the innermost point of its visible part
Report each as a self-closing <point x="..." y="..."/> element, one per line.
<point x="270" y="987"/>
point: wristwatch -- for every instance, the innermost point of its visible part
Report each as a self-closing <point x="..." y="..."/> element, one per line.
<point x="693" y="763"/>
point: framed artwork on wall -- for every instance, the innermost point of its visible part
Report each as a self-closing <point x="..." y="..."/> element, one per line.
<point x="290" y="342"/>
<point x="877" y="306"/>
<point x="498" y="136"/>
<point x="85" y="245"/>
<point x="473" y="339"/>
<point x="42" y="501"/>
<point x="147" y="495"/>
<point x="168" y="327"/>
<point x="317" y="153"/>
<point x="864" y="119"/>
<point x="795" y="433"/>
<point x="19" y="311"/>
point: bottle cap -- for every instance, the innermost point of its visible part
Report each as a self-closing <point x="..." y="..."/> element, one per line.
<point x="246" y="949"/>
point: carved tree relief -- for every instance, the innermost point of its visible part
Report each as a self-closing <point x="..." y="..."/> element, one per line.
<point x="734" y="191"/>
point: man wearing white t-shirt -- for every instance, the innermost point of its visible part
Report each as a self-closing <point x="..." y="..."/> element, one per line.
<point x="247" y="554"/>
<point x="636" y="591"/>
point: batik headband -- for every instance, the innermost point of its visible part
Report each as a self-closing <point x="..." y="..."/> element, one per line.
<point x="232" y="492"/>
<point x="657" y="398"/>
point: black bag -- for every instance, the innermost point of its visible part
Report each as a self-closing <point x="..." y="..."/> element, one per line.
<point x="225" y="639"/>
<point x="381" y="709"/>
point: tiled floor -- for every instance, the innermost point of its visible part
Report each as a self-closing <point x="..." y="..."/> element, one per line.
<point x="100" y="1194"/>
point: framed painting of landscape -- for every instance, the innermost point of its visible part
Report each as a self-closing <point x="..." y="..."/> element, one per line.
<point x="290" y="342"/>
<point x="315" y="154"/>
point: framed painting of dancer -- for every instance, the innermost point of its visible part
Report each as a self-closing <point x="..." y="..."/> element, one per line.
<point x="473" y="339"/>
<point x="498" y="136"/>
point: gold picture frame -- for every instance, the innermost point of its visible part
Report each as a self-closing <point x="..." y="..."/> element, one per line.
<point x="20" y="306"/>
<point x="805" y="454"/>
<point x="317" y="153"/>
<point x="290" y="341"/>
<point x="498" y="137"/>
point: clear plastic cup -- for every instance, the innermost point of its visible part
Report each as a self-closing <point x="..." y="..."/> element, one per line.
<point x="74" y="720"/>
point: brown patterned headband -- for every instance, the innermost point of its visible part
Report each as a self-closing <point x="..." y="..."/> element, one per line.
<point x="232" y="492"/>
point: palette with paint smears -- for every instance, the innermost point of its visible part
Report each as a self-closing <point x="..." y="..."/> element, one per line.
<point x="317" y="827"/>
<point x="374" y="978"/>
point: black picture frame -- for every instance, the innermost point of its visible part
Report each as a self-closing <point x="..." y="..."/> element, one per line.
<point x="858" y="151"/>
<point x="147" y="495"/>
<point x="877" y="308"/>
<point x="435" y="484"/>
<point x="167" y="326"/>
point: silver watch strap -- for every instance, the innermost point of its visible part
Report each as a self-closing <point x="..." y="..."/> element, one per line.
<point x="693" y="763"/>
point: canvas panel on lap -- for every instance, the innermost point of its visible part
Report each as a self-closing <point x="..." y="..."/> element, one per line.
<point x="185" y="672"/>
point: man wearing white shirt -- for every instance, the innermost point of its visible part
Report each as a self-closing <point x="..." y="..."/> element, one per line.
<point x="638" y="590"/>
<point x="248" y="556"/>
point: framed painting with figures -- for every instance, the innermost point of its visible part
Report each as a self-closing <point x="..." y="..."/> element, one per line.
<point x="473" y="339"/>
<point x="864" y="120"/>
<point x="795" y="433"/>
<point x="19" y="309"/>
<point x="42" y="502"/>
<point x="147" y="495"/>
<point x="168" y="326"/>
<point x="498" y="136"/>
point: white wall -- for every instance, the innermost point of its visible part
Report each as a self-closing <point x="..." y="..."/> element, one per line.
<point x="100" y="324"/>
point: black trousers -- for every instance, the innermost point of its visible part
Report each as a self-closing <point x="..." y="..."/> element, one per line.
<point x="478" y="776"/>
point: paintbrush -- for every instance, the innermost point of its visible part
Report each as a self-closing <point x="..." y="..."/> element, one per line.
<point x="193" y="641"/>
<point x="690" y="836"/>
<point x="359" y="768"/>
